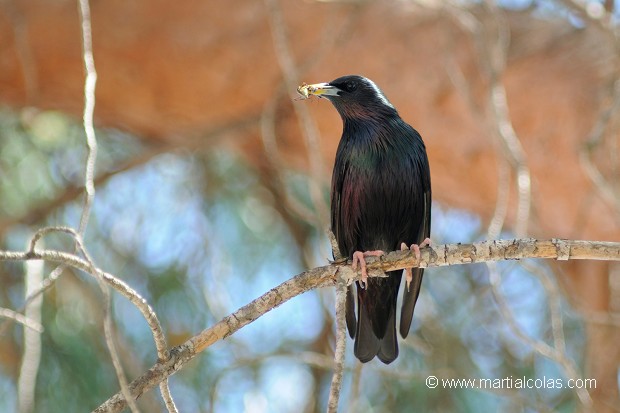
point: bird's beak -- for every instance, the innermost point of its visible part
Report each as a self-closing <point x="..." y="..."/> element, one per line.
<point x="318" y="89"/>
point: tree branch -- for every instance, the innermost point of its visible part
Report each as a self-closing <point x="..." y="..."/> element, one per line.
<point x="339" y="352"/>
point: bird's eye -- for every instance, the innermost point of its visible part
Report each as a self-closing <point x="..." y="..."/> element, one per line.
<point x="351" y="86"/>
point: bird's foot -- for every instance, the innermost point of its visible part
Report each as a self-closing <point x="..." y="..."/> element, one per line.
<point x="416" y="250"/>
<point x="359" y="257"/>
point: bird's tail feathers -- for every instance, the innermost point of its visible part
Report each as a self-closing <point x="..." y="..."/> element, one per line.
<point x="409" y="300"/>
<point x="367" y="344"/>
<point x="388" y="350"/>
<point x="375" y="333"/>
<point x="350" y="311"/>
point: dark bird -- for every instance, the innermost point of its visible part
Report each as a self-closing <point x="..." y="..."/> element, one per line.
<point x="380" y="201"/>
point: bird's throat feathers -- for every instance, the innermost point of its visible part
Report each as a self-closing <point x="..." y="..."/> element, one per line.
<point x="370" y="127"/>
<point x="365" y="112"/>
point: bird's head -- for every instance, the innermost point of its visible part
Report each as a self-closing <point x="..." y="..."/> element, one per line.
<point x="355" y="97"/>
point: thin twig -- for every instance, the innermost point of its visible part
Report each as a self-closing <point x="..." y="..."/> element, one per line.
<point x="308" y="127"/>
<point x="600" y="317"/>
<point x="107" y="319"/>
<point x="31" y="358"/>
<point x="21" y="319"/>
<point x="272" y="153"/>
<point x="31" y="298"/>
<point x="341" y="332"/>
<point x="497" y="51"/>
<point x="89" y="185"/>
<point x="496" y="224"/>
<point x="355" y="386"/>
<point x="555" y="303"/>
<point x="596" y="15"/>
<point x="108" y="332"/>
<point x="341" y="342"/>
<point x="599" y="131"/>
<point x="492" y="47"/>
<point x="89" y="108"/>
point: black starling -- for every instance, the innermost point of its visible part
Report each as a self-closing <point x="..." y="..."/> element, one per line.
<point x="381" y="201"/>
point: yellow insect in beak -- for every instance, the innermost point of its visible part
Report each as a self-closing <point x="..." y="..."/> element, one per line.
<point x="317" y="89"/>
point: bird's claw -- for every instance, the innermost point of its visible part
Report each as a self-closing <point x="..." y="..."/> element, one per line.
<point x="426" y="243"/>
<point x="359" y="257"/>
<point x="416" y="250"/>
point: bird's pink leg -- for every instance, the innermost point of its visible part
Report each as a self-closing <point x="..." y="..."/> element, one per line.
<point x="359" y="257"/>
<point x="416" y="250"/>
